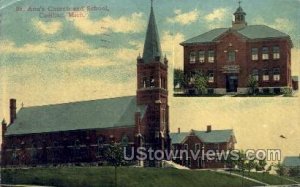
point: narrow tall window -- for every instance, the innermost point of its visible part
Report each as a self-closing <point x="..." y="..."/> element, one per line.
<point x="254" y="54"/>
<point x="193" y="57"/>
<point x="276" y="53"/>
<point x="211" y="56"/>
<point x="276" y="74"/>
<point x="152" y="82"/>
<point x="266" y="76"/>
<point x="255" y="74"/>
<point x="211" y="77"/>
<point x="265" y="53"/>
<point x="144" y="82"/>
<point x="201" y="56"/>
<point x="231" y="56"/>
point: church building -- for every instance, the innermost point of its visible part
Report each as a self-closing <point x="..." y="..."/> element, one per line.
<point x="78" y="132"/>
<point x="230" y="57"/>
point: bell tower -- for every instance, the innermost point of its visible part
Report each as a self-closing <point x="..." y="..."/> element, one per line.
<point x="239" y="18"/>
<point x="152" y="89"/>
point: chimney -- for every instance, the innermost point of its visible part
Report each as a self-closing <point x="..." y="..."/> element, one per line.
<point x="178" y="130"/>
<point x="208" y="128"/>
<point x="13" y="110"/>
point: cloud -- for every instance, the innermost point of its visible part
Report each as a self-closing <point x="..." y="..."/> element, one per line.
<point x="9" y="47"/>
<point x="184" y="18"/>
<point x="215" y="19"/>
<point x="217" y="15"/>
<point x="125" y="24"/>
<point x="47" y="27"/>
<point x="170" y="45"/>
<point x="283" y="24"/>
<point x="127" y="54"/>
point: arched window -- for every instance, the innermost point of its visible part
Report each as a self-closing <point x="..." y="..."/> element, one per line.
<point x="152" y="82"/>
<point x="125" y="140"/>
<point x="255" y="74"/>
<point x="231" y="56"/>
<point x="100" y="146"/>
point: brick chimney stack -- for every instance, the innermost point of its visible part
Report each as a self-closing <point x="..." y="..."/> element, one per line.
<point x="13" y="110"/>
<point x="208" y="128"/>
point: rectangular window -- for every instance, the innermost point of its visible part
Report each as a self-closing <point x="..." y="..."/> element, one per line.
<point x="266" y="76"/>
<point x="201" y="56"/>
<point x="276" y="53"/>
<point x="254" y="54"/>
<point x="255" y="74"/>
<point x="265" y="53"/>
<point x="276" y="74"/>
<point x="193" y="57"/>
<point x="211" y="56"/>
<point x="231" y="56"/>
<point x="211" y="77"/>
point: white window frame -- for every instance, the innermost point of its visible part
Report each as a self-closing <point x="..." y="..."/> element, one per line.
<point x="266" y="77"/>
<point x="265" y="54"/>
<point x="254" y="56"/>
<point x="211" y="77"/>
<point x="276" y="77"/>
<point x="202" y="56"/>
<point x="211" y="59"/>
<point x="193" y="57"/>
<point x="276" y="54"/>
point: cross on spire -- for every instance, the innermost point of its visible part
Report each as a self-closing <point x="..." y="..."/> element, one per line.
<point x="240" y="3"/>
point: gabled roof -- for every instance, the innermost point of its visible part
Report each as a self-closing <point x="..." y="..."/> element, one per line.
<point x="96" y="114"/>
<point x="250" y="32"/>
<point x="261" y="32"/>
<point x="206" y="37"/>
<point x="177" y="138"/>
<point x="291" y="161"/>
<point x="152" y="46"/>
<point x="215" y="136"/>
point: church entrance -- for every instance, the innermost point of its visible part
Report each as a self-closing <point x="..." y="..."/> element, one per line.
<point x="231" y="83"/>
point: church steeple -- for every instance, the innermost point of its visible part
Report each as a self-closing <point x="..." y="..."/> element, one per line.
<point x="152" y="49"/>
<point x="239" y="18"/>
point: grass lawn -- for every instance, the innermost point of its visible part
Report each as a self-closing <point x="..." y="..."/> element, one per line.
<point x="266" y="178"/>
<point x="104" y="176"/>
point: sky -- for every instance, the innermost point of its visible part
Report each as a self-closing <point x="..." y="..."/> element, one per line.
<point x="59" y="59"/>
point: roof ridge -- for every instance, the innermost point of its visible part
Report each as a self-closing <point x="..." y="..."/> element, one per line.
<point x="75" y="102"/>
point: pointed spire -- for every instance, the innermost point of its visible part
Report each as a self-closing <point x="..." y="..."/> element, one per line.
<point x="152" y="48"/>
<point x="3" y="122"/>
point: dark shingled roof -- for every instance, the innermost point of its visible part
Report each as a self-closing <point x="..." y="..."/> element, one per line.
<point x="250" y="32"/>
<point x="291" y="161"/>
<point x="152" y="46"/>
<point x="96" y="114"/>
<point x="215" y="136"/>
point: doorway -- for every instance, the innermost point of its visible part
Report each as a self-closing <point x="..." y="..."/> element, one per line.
<point x="231" y="83"/>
